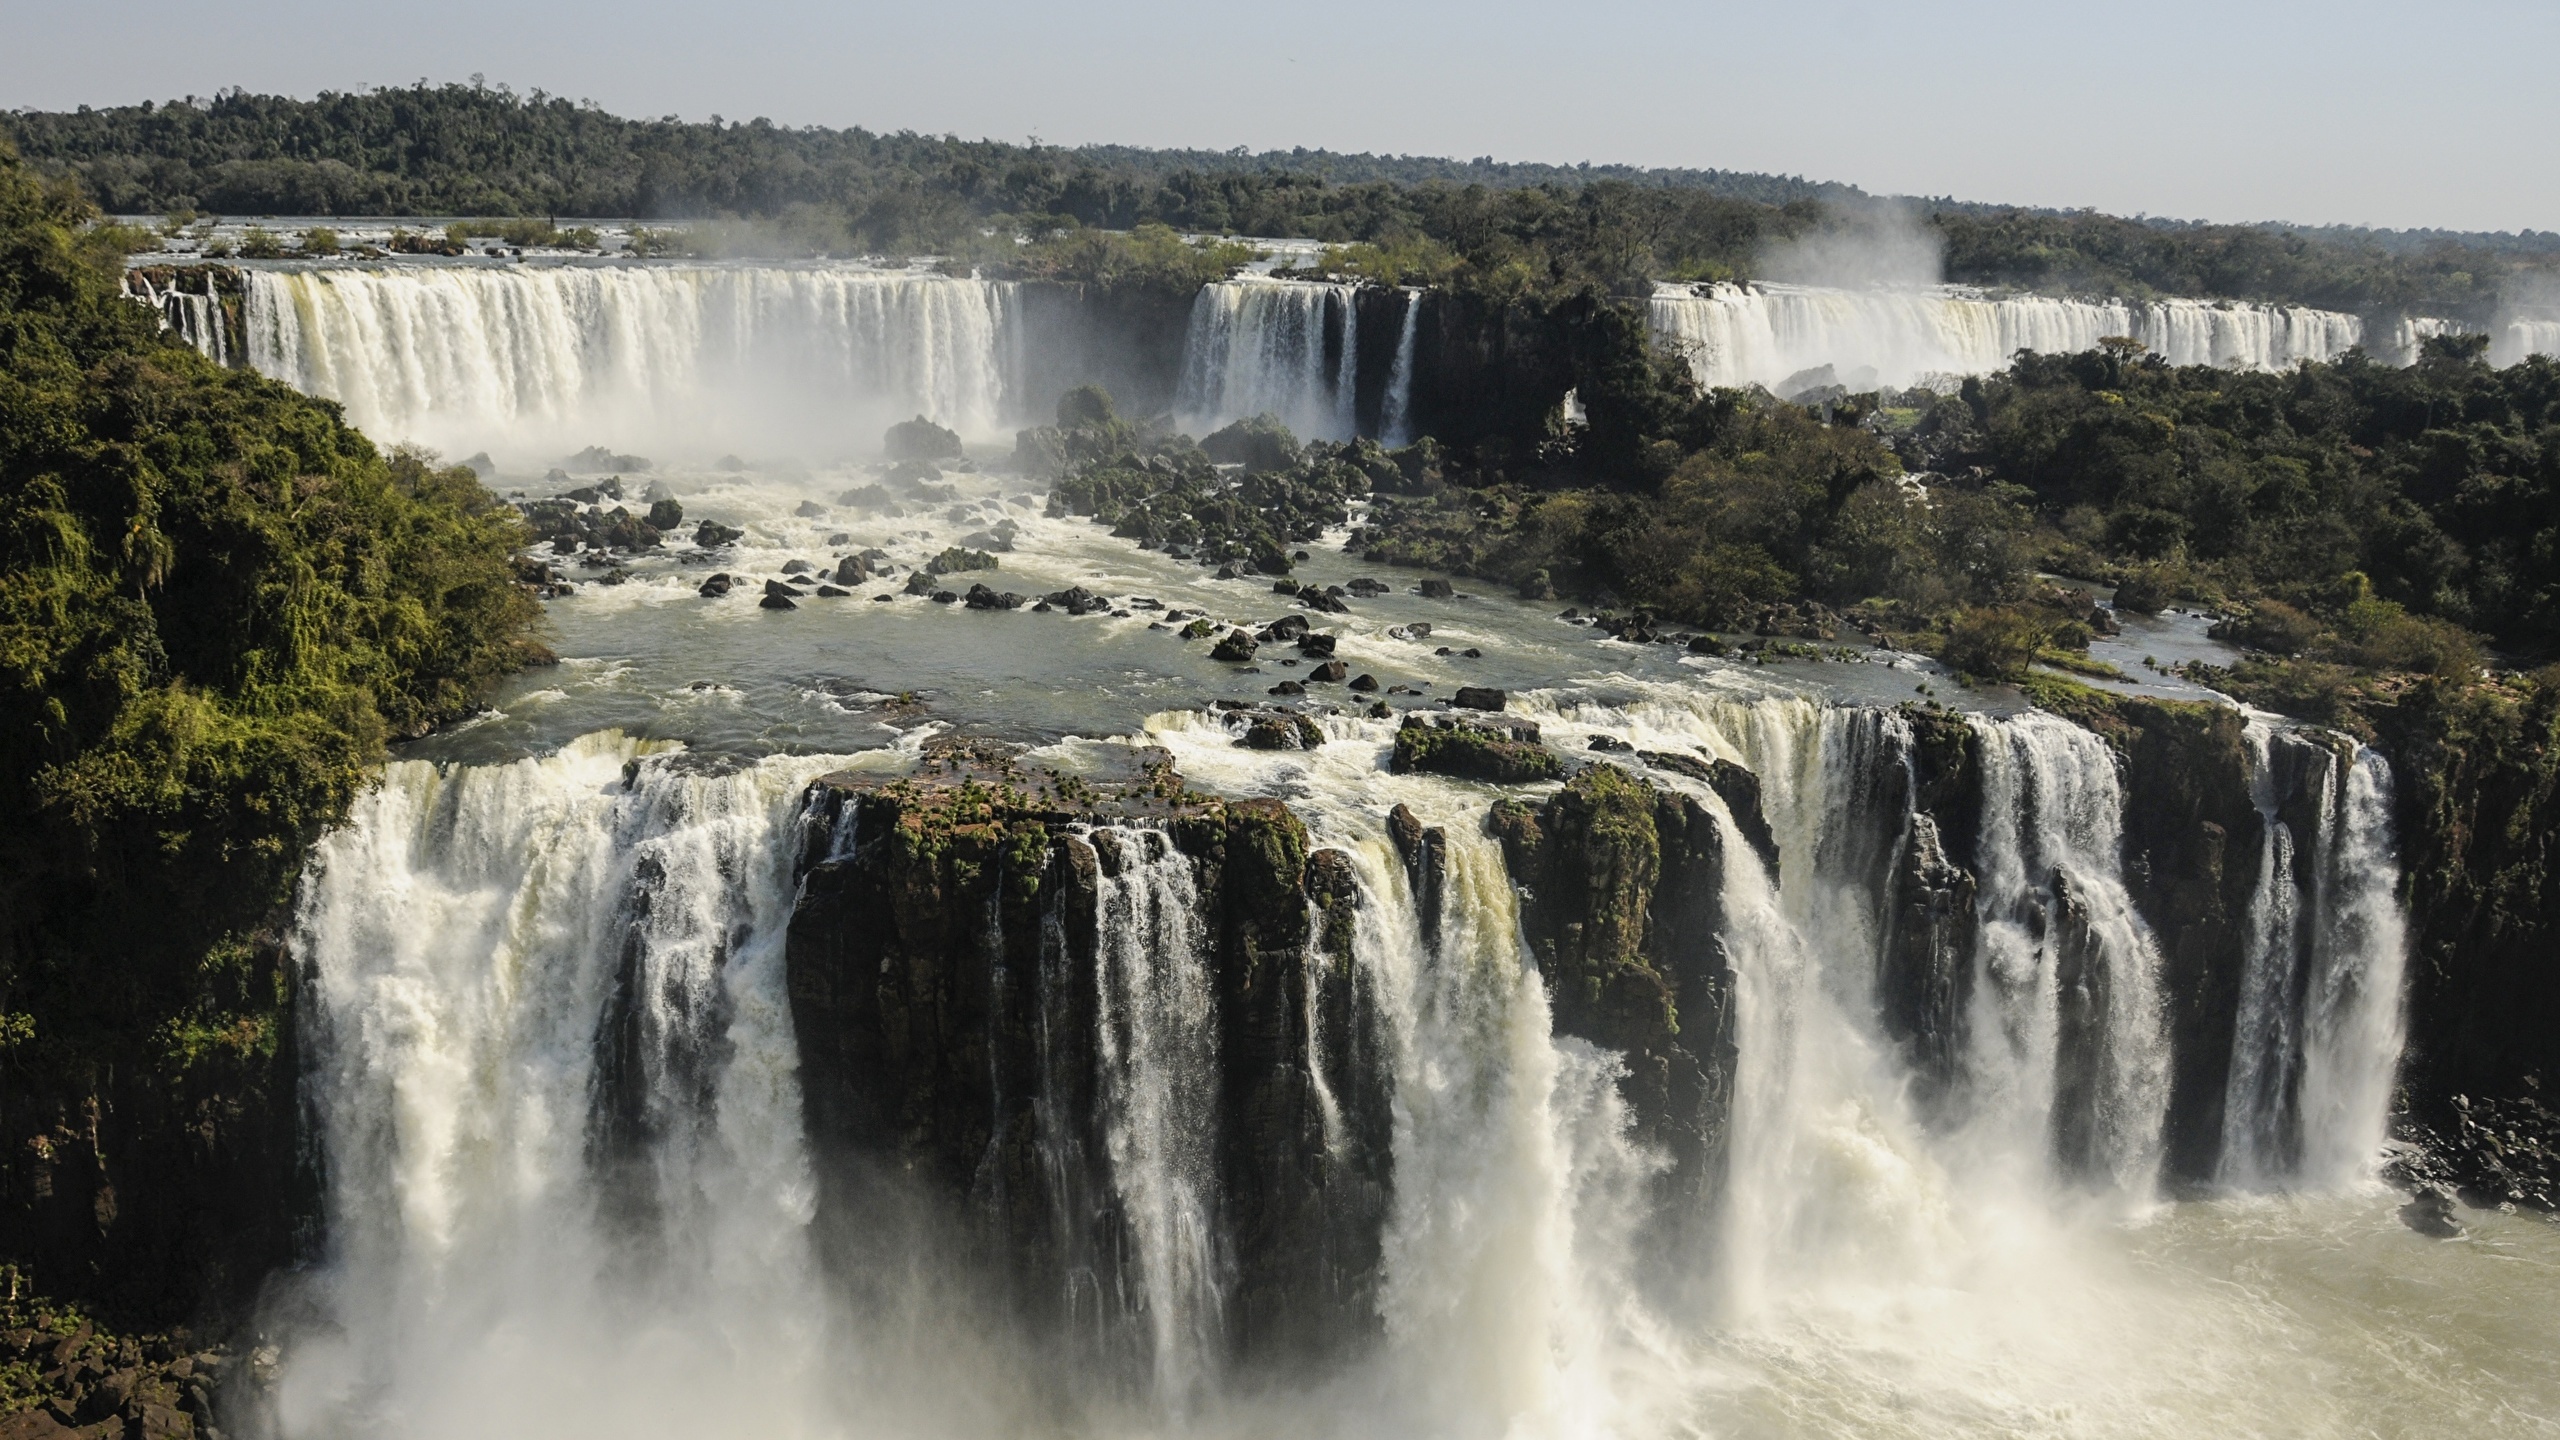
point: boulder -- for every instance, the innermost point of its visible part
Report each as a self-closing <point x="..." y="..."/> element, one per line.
<point x="852" y="571"/>
<point x="1365" y="683"/>
<point x="1236" y="649"/>
<point x="1438" y="590"/>
<point x="777" y="600"/>
<point x="1480" y="697"/>
<point x="717" y="586"/>
<point x="1315" y="646"/>
<point x="982" y="597"/>
<point x="1330" y="672"/>
<point x="711" y="534"/>
<point x="1502" y="753"/>
<point x="666" y="515"/>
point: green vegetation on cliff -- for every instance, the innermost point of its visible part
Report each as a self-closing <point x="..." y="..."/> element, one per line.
<point x="218" y="603"/>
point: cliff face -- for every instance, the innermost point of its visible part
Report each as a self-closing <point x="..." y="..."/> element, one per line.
<point x="1626" y="915"/>
<point x="959" y="1023"/>
<point x="2479" y="828"/>
<point x="161" y="1187"/>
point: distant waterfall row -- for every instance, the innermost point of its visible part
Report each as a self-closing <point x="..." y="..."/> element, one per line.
<point x="1791" y="338"/>
<point x="470" y="357"/>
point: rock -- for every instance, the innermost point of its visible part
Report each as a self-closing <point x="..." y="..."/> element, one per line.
<point x="955" y="560"/>
<point x="1378" y="710"/>
<point x="945" y="597"/>
<point x="1284" y="587"/>
<point x="1708" y="645"/>
<point x="981" y="597"/>
<point x="1502" y="753"/>
<point x="2430" y="1213"/>
<point x="832" y="592"/>
<point x="1330" y="672"/>
<point x="797" y="567"/>
<point x="1281" y="732"/>
<point x="1077" y="600"/>
<point x="919" y="583"/>
<point x="1739" y="788"/>
<point x="776" y="587"/>
<point x="717" y="586"/>
<point x="840" y="538"/>
<point x="1365" y="683"/>
<point x="868" y="497"/>
<point x="852" y="571"/>
<point x="1480" y="697"/>
<point x="1200" y="629"/>
<point x="1610" y="743"/>
<point x="1315" y="646"/>
<point x="2102" y="621"/>
<point x="809" y="510"/>
<point x="1237" y="648"/>
<point x="1288" y="687"/>
<point x="711" y="534"/>
<point x="936" y="1047"/>
<point x="1418" y="630"/>
<point x="1438" y="590"/>
<point x="920" y="439"/>
<point x="1315" y="599"/>
<point x="1286" y="628"/>
<point x="777" y="600"/>
<point x="666" y="515"/>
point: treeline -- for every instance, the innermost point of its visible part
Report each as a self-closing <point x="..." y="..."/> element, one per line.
<point x="217" y="603"/>
<point x="470" y="150"/>
<point x="2365" y="518"/>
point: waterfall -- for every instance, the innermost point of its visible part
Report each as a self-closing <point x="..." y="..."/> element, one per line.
<point x="1289" y="348"/>
<point x="1785" y="336"/>
<point x="2316" y="1040"/>
<point x="1158" y="1049"/>
<point x="555" y="1087"/>
<point x="545" y="359"/>
<point x="195" y="318"/>
<point x="2516" y="338"/>
<point x="2068" y="1032"/>
<point x="1395" y="420"/>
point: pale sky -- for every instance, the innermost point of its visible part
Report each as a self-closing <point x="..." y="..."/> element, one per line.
<point x="2437" y="114"/>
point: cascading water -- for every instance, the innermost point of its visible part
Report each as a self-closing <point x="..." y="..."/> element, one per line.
<point x="2067" y="1028"/>
<point x="1159" y="1092"/>
<point x="2518" y="337"/>
<point x="1395" y="418"/>
<point x="2317" y="1035"/>
<point x="195" y="316"/>
<point x="1289" y="348"/>
<point x="554" y="1080"/>
<point x="1784" y="336"/>
<point x="545" y="359"/>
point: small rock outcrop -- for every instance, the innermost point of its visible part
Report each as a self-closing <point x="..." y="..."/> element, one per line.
<point x="1496" y="751"/>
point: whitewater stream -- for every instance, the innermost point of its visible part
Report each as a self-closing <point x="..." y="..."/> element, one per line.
<point x="555" y="1089"/>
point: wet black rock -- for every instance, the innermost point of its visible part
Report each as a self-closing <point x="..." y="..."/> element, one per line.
<point x="1330" y="672"/>
<point x="840" y="538"/>
<point x="1315" y="599"/>
<point x="1077" y="600"/>
<point x="830" y="592"/>
<point x="777" y="600"/>
<point x="957" y="559"/>
<point x="1200" y="629"/>
<point x="945" y="597"/>
<point x="1316" y="646"/>
<point x="717" y="586"/>
<point x="665" y="515"/>
<point x="919" y="583"/>
<point x="797" y="567"/>
<point x="1480" y="697"/>
<point x="1237" y="648"/>
<point x="1737" y="785"/>
<point x="1365" y="683"/>
<point x="711" y="534"/>
<point x="1288" y="687"/>
<point x="1418" y="630"/>
<point x="1610" y="744"/>
<point x="1278" y="730"/>
<point x="982" y="597"/>
<point x="1438" y="590"/>
<point x="1708" y="645"/>
<point x="852" y="571"/>
<point x="1363" y="585"/>
<point x="2430" y="1213"/>
<point x="777" y="588"/>
<point x="1286" y="628"/>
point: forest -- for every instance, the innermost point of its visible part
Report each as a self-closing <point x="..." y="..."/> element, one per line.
<point x="473" y="150"/>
